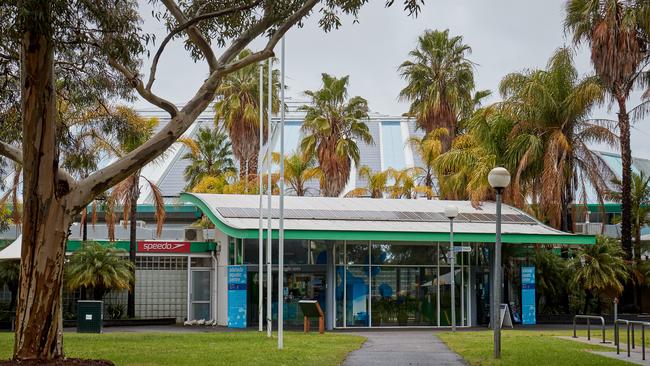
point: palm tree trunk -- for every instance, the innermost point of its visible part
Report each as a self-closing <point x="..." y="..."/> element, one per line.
<point x="133" y="242"/>
<point x="242" y="169"/>
<point x="626" y="175"/>
<point x="252" y="167"/>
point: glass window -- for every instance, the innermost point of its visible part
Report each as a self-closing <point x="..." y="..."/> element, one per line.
<point x="357" y="252"/>
<point x="392" y="145"/>
<point x="396" y="253"/>
<point x="357" y="296"/>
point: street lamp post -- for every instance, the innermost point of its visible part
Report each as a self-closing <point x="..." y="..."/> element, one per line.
<point x="451" y="212"/>
<point x="499" y="178"/>
<point x="260" y="159"/>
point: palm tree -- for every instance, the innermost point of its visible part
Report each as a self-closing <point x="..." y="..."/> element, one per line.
<point x="405" y="183"/>
<point x="428" y="148"/>
<point x="331" y="129"/>
<point x="599" y="269"/>
<point x="238" y="109"/>
<point x="550" y="279"/>
<point x="548" y="145"/>
<point x="298" y="170"/>
<point x="209" y="155"/>
<point x="463" y="170"/>
<point x="640" y="190"/>
<point x="133" y="132"/>
<point x="616" y="31"/>
<point x="228" y="183"/>
<point x="376" y="186"/>
<point x="440" y="82"/>
<point x="100" y="268"/>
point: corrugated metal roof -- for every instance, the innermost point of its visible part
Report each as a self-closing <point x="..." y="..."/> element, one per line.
<point x="214" y="203"/>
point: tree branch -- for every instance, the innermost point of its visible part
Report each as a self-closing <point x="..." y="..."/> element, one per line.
<point x="114" y="173"/>
<point x="194" y="34"/>
<point x="189" y="23"/>
<point x="11" y="152"/>
<point x="253" y="33"/>
<point x="146" y="94"/>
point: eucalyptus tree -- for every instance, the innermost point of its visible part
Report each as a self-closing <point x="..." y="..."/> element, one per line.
<point x="209" y="155"/>
<point x="549" y="145"/>
<point x="98" y="48"/>
<point x="440" y="82"/>
<point x="332" y="127"/>
<point x="617" y="33"/>
<point x="238" y="110"/>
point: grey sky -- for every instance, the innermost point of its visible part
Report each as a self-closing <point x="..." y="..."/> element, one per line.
<point x="505" y="36"/>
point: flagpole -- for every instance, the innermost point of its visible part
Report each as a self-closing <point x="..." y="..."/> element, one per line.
<point x="281" y="220"/>
<point x="269" y="252"/>
<point x="260" y="160"/>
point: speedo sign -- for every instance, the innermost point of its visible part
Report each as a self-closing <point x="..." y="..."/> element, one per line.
<point x="163" y="246"/>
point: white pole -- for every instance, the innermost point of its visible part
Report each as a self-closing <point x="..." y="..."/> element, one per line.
<point x="269" y="252"/>
<point x="260" y="159"/>
<point x="281" y="223"/>
<point x="453" y="275"/>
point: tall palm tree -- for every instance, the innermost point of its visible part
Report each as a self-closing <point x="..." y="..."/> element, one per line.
<point x="376" y="183"/>
<point x="440" y="82"/>
<point x="465" y="167"/>
<point x="428" y="148"/>
<point x="616" y="31"/>
<point x="238" y="109"/>
<point x="640" y="206"/>
<point x="599" y="269"/>
<point x="100" y="268"/>
<point x="133" y="131"/>
<point x="298" y="170"/>
<point x="549" y="142"/>
<point x="209" y="155"/>
<point x="333" y="125"/>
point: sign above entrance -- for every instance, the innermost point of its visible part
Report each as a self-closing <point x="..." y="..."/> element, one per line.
<point x="164" y="246"/>
<point x="463" y="249"/>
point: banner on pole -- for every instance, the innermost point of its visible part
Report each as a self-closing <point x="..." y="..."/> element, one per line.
<point x="528" y="308"/>
<point x="237" y="290"/>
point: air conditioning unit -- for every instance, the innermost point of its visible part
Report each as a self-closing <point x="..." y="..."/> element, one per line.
<point x="193" y="234"/>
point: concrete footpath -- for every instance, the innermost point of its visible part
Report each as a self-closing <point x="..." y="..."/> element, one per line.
<point x="403" y="348"/>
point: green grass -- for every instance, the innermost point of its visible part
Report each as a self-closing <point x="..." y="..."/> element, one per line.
<point x="232" y="348"/>
<point x="526" y="347"/>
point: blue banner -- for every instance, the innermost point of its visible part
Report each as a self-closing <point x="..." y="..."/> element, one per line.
<point x="237" y="290"/>
<point x="528" y="308"/>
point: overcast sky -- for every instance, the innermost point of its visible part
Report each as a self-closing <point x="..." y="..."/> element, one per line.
<point x="505" y="36"/>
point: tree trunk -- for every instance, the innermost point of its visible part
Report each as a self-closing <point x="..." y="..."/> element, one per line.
<point x="626" y="175"/>
<point x="46" y="221"/>
<point x="252" y="167"/>
<point x="133" y="238"/>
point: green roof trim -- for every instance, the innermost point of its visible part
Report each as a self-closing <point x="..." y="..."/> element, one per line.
<point x="390" y="235"/>
<point x="169" y="208"/>
<point x="195" y="247"/>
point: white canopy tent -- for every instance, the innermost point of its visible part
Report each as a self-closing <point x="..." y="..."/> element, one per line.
<point x="13" y="250"/>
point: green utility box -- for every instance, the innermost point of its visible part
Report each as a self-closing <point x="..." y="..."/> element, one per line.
<point x="89" y="316"/>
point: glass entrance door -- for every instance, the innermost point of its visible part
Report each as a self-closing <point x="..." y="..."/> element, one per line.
<point x="200" y="296"/>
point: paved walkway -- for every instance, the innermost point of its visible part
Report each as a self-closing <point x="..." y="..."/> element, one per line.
<point x="403" y="348"/>
<point x="635" y="353"/>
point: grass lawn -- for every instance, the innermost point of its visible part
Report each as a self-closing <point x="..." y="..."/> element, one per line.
<point x="526" y="347"/>
<point x="233" y="348"/>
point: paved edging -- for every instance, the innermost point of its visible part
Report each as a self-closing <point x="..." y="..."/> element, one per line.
<point x="412" y="348"/>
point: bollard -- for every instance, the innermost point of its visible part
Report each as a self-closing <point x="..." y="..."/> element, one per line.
<point x="632" y="335"/>
<point x="628" y="339"/>
<point x="643" y="342"/>
<point x="588" y="329"/>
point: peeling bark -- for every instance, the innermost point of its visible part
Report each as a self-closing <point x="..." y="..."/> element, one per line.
<point x="45" y="219"/>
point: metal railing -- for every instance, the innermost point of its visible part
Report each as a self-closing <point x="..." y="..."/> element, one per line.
<point x="589" y="318"/>
<point x="630" y="345"/>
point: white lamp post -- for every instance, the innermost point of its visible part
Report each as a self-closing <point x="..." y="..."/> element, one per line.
<point x="451" y="212"/>
<point x="499" y="178"/>
<point x="281" y="218"/>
